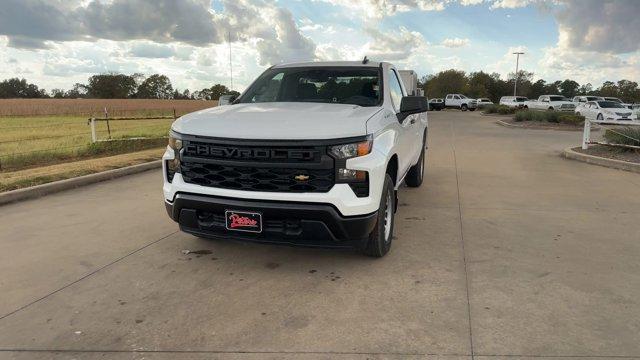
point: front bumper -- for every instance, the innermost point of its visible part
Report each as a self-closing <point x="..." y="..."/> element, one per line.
<point x="289" y="223"/>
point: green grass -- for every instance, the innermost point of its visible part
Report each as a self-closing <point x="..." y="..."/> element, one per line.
<point x="36" y="141"/>
<point x="624" y="136"/>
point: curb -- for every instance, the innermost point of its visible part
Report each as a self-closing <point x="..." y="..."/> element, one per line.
<point x="514" y="126"/>
<point x="569" y="153"/>
<point x="61" y="185"/>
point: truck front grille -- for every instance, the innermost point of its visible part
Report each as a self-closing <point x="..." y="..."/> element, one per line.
<point x="257" y="178"/>
<point x="271" y="166"/>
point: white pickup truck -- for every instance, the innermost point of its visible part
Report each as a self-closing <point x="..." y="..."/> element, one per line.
<point x="310" y="154"/>
<point x="459" y="101"/>
<point x="551" y="102"/>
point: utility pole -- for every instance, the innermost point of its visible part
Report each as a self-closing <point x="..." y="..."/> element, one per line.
<point x="230" y="63"/>
<point x="515" y="82"/>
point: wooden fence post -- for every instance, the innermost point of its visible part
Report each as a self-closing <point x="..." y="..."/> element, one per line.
<point x="94" y="137"/>
<point x="106" y="116"/>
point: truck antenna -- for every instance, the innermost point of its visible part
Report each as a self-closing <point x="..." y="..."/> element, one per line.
<point x="230" y="63"/>
<point x="365" y="60"/>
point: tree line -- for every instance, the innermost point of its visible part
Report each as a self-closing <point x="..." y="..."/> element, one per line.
<point x="474" y="84"/>
<point x="481" y="84"/>
<point x="113" y="86"/>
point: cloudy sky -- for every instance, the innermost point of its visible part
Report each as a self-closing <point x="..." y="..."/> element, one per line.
<point x="56" y="43"/>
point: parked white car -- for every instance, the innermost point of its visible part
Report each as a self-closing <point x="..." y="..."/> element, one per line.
<point x="484" y="102"/>
<point x="604" y="110"/>
<point x="550" y="102"/>
<point x="461" y="102"/>
<point x="635" y="109"/>
<point x="584" y="99"/>
<point x="615" y="99"/>
<point x="513" y="101"/>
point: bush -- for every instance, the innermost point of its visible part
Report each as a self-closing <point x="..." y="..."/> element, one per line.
<point x="624" y="136"/>
<point x="549" y="116"/>
<point x="499" y="109"/>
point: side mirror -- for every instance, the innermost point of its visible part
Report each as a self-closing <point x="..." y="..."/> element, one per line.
<point x="412" y="105"/>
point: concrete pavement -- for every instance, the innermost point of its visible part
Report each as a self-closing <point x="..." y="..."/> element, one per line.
<point x="507" y="250"/>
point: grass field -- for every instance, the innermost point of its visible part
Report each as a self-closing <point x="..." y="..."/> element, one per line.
<point x="30" y="140"/>
<point x="34" y="141"/>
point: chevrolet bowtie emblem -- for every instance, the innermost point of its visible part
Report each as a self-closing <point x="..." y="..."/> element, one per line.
<point x="302" y="177"/>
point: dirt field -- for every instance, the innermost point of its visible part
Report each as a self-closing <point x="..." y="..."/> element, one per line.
<point x="95" y="107"/>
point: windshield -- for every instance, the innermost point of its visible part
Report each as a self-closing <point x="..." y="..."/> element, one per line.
<point x="521" y="99"/>
<point x="610" y="105"/>
<point x="593" y="98"/>
<point x="344" y="85"/>
<point x="613" y="99"/>
<point x="557" y="98"/>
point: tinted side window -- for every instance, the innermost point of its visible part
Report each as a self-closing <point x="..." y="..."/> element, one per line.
<point x="395" y="90"/>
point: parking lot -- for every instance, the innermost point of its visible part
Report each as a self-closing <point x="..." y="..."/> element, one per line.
<point x="507" y="251"/>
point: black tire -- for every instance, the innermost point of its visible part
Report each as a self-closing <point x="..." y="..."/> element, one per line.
<point x="438" y="109"/>
<point x="415" y="176"/>
<point x="525" y="107"/>
<point x="474" y="109"/>
<point x="379" y="241"/>
<point x="463" y="107"/>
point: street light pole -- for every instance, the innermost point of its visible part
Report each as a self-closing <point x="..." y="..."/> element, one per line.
<point x="515" y="82"/>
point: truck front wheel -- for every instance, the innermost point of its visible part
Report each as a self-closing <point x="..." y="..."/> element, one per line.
<point x="380" y="238"/>
<point x="463" y="107"/>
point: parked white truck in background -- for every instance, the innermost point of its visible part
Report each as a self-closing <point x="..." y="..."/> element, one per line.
<point x="310" y="154"/>
<point x="551" y="102"/>
<point x="459" y="101"/>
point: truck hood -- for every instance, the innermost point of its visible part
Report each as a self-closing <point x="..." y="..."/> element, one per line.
<point x="278" y="121"/>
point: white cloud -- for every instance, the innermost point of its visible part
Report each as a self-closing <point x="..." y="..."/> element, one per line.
<point x="600" y="25"/>
<point x="151" y="50"/>
<point x="455" y="42"/>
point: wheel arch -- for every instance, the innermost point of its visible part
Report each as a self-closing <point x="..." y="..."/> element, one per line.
<point x="392" y="169"/>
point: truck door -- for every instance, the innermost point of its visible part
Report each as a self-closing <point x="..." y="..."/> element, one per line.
<point x="407" y="125"/>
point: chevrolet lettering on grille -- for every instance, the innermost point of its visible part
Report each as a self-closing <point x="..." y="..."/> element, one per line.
<point x="230" y="152"/>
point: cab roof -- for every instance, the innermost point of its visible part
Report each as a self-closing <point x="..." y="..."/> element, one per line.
<point x="373" y="64"/>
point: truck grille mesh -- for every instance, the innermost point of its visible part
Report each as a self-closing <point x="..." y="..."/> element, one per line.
<point x="257" y="178"/>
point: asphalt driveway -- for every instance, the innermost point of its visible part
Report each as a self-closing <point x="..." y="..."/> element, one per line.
<point x="506" y="251"/>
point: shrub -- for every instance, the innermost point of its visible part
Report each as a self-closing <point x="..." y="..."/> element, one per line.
<point x="548" y="116"/>
<point x="499" y="109"/>
<point x="624" y="136"/>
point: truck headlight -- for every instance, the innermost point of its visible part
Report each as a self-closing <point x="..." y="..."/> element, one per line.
<point x="358" y="180"/>
<point x="175" y="142"/>
<point x="173" y="166"/>
<point x="348" y="151"/>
